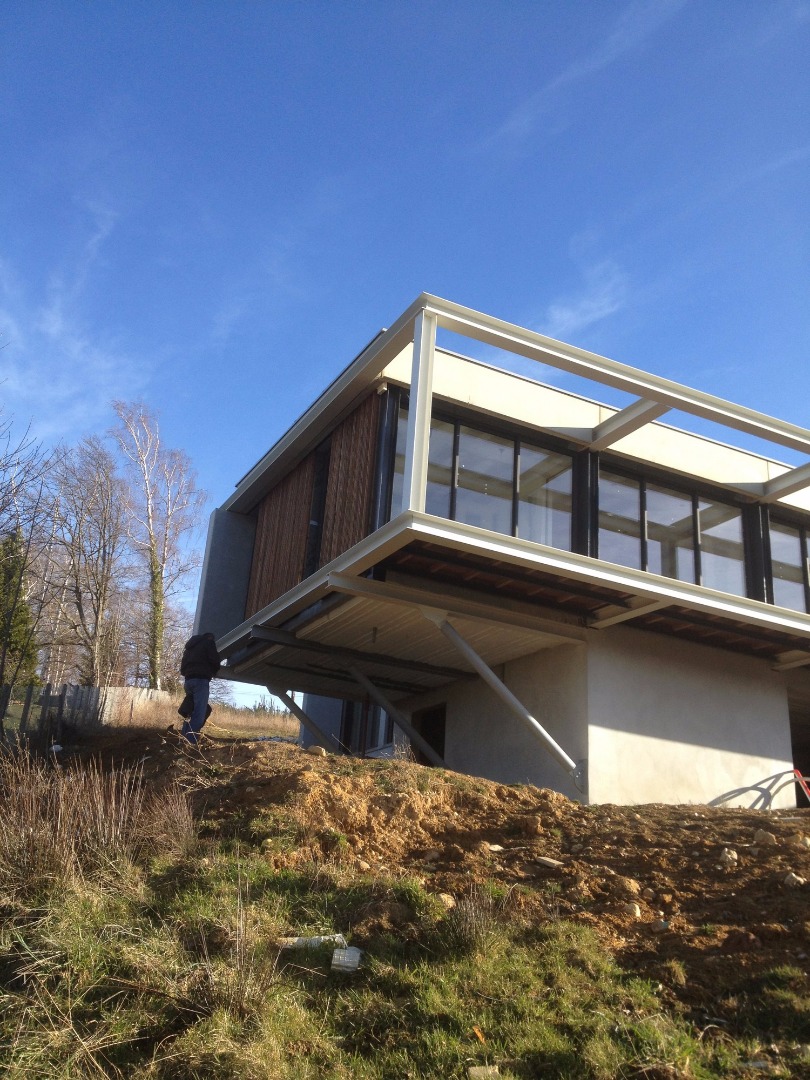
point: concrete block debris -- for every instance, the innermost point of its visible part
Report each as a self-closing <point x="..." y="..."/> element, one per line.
<point x="346" y="959"/>
<point x="315" y="942"/>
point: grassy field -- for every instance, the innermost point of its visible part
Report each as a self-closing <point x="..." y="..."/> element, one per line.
<point x="142" y="939"/>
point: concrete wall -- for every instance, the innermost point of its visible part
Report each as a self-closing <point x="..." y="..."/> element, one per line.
<point x="225" y="573"/>
<point x="484" y="739"/>
<point x="675" y="722"/>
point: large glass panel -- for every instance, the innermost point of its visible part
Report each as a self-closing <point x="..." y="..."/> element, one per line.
<point x="721" y="547"/>
<point x="787" y="567"/>
<point x="440" y="468"/>
<point x="485" y="480"/>
<point x="670" y="533"/>
<point x="619" y="519"/>
<point x="399" y="462"/>
<point x="544" y="505"/>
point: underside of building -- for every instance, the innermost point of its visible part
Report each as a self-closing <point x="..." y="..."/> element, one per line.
<point x="520" y="582"/>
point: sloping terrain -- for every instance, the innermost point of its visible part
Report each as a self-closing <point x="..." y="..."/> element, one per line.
<point x="707" y="900"/>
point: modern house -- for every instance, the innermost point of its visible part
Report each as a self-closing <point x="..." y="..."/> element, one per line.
<point x="523" y="583"/>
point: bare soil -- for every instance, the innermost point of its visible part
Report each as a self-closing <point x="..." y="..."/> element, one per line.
<point x="709" y="927"/>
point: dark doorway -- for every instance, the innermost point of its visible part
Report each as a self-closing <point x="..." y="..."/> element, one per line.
<point x="430" y="723"/>
<point x="800" y="739"/>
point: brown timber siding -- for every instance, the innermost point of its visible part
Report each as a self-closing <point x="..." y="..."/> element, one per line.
<point x="281" y="537"/>
<point x="349" y="492"/>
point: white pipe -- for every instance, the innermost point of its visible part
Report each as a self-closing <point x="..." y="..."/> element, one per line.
<point x="503" y="691"/>
<point x="398" y="717"/>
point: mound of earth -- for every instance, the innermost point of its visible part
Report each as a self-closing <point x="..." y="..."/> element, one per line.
<point x="688" y="894"/>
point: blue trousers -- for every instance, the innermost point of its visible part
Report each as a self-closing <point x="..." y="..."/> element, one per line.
<point x="198" y="688"/>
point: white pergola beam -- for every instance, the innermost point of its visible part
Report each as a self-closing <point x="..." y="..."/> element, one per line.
<point x="600" y="369"/>
<point x="787" y="483"/>
<point x="625" y="422"/>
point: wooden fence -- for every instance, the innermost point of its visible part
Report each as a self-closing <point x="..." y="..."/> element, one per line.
<point x="40" y="714"/>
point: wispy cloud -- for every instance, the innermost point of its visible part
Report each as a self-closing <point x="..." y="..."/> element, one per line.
<point x="604" y="292"/>
<point x="56" y="371"/>
<point x="638" y="21"/>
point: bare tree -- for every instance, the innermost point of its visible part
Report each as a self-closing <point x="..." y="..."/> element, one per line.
<point x="92" y="539"/>
<point x="165" y="508"/>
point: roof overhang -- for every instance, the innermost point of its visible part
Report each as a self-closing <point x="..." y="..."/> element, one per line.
<point x="307" y="639"/>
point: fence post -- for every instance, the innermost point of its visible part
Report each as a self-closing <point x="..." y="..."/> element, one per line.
<point x="29" y="697"/>
<point x="60" y="713"/>
<point x="45" y="715"/>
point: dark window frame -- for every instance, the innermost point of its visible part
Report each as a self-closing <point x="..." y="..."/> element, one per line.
<point x="788" y="521"/>
<point x="585" y="471"/>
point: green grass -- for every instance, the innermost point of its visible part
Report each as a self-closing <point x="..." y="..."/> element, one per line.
<point x="132" y="953"/>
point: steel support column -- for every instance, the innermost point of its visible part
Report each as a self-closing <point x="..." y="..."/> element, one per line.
<point x="399" y="718"/>
<point x="328" y="742"/>
<point x="507" y="697"/>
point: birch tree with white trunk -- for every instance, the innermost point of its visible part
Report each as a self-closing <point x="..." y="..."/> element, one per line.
<point x="165" y="508"/>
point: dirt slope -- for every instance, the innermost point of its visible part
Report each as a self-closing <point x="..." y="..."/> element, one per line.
<point x="704" y="922"/>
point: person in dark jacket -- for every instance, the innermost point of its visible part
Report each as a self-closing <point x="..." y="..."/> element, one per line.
<point x="198" y="667"/>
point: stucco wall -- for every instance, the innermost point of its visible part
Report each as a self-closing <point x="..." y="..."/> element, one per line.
<point x="674" y="722"/>
<point x="485" y="739"/>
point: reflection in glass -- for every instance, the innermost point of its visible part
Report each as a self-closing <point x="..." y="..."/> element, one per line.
<point x="619" y="519"/>
<point x="787" y="567"/>
<point x="670" y="533"/>
<point x="544" y="506"/>
<point x="485" y="480"/>
<point x="399" y="462"/>
<point x="440" y="468"/>
<point x="721" y="547"/>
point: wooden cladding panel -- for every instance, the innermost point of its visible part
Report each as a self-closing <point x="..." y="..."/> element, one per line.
<point x="281" y="537"/>
<point x="349" y="493"/>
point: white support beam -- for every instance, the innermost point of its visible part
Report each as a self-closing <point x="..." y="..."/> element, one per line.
<point x="787" y="483"/>
<point x="625" y="422"/>
<point x="399" y="718"/>
<point x="328" y="742"/>
<point x="417" y="441"/>
<point x="627" y="613"/>
<point x="505" y="694"/>
<point x="786" y="665"/>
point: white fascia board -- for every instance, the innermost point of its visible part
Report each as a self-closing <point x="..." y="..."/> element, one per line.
<point x="639" y="583"/>
<point x="528" y="343"/>
<point x="307" y="431"/>
<point x="409" y="525"/>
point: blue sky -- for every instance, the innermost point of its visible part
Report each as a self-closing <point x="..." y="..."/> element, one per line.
<point x="213" y="206"/>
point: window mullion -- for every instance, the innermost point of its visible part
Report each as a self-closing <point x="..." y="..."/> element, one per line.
<point x="696" y="539"/>
<point x="454" y="478"/>
<point x="642" y="522"/>
<point x="515" y="487"/>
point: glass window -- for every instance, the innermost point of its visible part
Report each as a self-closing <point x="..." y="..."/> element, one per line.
<point x="619" y="519"/>
<point x="670" y="533"/>
<point x="440" y="468"/>
<point x="722" y="560"/>
<point x="788" y="567"/>
<point x="486" y="466"/>
<point x="544" y="497"/>
<point x="399" y="462"/>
